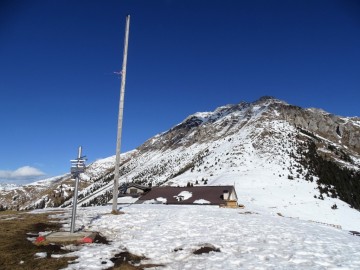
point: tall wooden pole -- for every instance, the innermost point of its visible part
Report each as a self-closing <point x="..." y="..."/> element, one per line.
<point x="120" y="119"/>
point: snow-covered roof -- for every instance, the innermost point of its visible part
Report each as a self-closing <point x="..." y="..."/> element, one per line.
<point x="189" y="195"/>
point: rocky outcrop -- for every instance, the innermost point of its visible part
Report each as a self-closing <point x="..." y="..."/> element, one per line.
<point x="229" y="119"/>
<point x="345" y="131"/>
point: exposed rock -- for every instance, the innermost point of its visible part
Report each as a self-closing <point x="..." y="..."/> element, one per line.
<point x="274" y="129"/>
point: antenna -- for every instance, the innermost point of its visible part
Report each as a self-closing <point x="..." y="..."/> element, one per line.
<point x="120" y="119"/>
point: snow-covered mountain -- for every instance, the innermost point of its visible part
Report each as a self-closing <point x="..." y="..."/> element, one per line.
<point x="297" y="162"/>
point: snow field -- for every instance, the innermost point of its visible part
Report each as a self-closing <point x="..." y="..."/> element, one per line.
<point x="247" y="239"/>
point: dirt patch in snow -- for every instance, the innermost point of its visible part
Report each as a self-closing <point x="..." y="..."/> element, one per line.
<point x="128" y="261"/>
<point x="206" y="249"/>
<point x="248" y="213"/>
<point x="99" y="239"/>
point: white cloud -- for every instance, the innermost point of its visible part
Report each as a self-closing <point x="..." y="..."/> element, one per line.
<point x="22" y="173"/>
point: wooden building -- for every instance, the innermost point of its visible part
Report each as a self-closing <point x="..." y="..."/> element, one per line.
<point x="204" y="195"/>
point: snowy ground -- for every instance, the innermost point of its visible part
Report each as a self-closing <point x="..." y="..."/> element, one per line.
<point x="248" y="238"/>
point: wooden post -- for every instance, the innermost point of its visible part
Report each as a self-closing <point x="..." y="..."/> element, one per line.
<point x="120" y="119"/>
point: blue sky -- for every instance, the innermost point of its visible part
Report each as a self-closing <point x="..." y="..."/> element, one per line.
<point x="58" y="89"/>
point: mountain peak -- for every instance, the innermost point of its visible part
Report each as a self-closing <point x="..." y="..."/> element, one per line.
<point x="269" y="100"/>
<point x="265" y="98"/>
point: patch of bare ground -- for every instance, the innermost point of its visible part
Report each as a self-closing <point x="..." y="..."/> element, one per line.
<point x="128" y="261"/>
<point x="100" y="239"/>
<point x="247" y="213"/>
<point x="17" y="252"/>
<point x="207" y="248"/>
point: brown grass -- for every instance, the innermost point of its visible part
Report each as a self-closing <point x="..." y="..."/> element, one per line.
<point x="16" y="248"/>
<point x="15" y="228"/>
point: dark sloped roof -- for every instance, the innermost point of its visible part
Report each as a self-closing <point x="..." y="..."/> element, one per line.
<point x="213" y="194"/>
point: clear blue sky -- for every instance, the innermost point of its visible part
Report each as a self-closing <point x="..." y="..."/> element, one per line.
<point x="57" y="58"/>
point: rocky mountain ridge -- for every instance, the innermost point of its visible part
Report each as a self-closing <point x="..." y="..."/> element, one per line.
<point x="283" y="145"/>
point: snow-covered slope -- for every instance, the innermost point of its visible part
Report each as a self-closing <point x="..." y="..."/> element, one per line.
<point x="5" y="187"/>
<point x="301" y="163"/>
